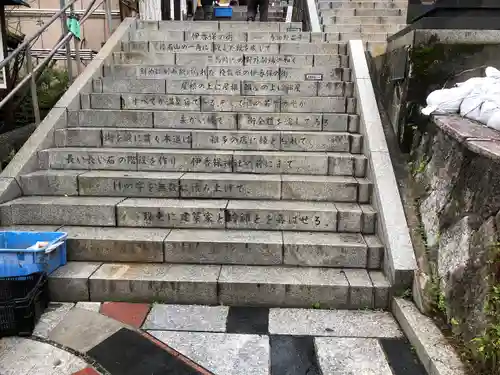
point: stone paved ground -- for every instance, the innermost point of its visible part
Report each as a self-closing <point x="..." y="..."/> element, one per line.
<point x="189" y="339"/>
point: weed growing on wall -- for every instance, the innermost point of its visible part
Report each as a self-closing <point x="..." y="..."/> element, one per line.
<point x="485" y="349"/>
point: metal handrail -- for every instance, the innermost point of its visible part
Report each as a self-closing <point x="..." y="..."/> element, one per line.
<point x="25" y="44"/>
<point x="64" y="40"/>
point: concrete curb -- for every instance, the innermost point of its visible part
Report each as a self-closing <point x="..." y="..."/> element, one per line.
<point x="433" y="350"/>
<point x="26" y="159"/>
<point x="392" y="228"/>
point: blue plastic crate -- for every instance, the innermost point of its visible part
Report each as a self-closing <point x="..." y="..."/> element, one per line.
<point x="17" y="260"/>
<point x="223" y="12"/>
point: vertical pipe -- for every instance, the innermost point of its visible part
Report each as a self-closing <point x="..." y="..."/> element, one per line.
<point x="64" y="27"/>
<point x="34" y="94"/>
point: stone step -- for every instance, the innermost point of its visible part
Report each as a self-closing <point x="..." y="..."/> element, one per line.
<point x="364" y="20"/>
<point x="300" y="215"/>
<point x="219" y="103"/>
<point x="238" y="47"/>
<point x="212" y="246"/>
<point x="366" y="28"/>
<point x="174" y="160"/>
<point x="365" y="36"/>
<point x="212" y="120"/>
<point x="363" y="12"/>
<point x="235" y="86"/>
<point x="50" y="210"/>
<point x="200" y="58"/>
<point x="196" y="185"/>
<point x="239" y="73"/>
<point x="246" y="214"/>
<point x="215" y="26"/>
<point x="229" y="285"/>
<point x="156" y="245"/>
<point x="209" y="139"/>
<point x="224" y="36"/>
<point x="328" y="4"/>
<point x="190" y="213"/>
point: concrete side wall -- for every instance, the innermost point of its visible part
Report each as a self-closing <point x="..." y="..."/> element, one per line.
<point x="399" y="258"/>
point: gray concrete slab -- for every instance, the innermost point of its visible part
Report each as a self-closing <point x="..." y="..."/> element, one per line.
<point x="222" y="353"/>
<point x="22" y="356"/>
<point x="187" y="318"/>
<point x="82" y="329"/>
<point x="52" y="316"/>
<point x="338" y="323"/>
<point x="351" y="356"/>
<point x="90" y="306"/>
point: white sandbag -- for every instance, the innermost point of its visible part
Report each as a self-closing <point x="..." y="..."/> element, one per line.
<point x="488" y="109"/>
<point x="449" y="100"/>
<point x="492" y="72"/>
<point x="471" y="105"/>
<point x="444" y="101"/>
<point x="494" y="121"/>
<point x="482" y="102"/>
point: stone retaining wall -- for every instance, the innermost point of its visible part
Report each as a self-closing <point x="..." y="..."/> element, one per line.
<point x="456" y="181"/>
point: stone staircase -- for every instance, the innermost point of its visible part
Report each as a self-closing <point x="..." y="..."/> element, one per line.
<point x="210" y="163"/>
<point x="369" y="20"/>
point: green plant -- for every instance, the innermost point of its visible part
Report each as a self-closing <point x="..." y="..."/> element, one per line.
<point x="486" y="347"/>
<point x="421" y="166"/>
<point x="407" y="294"/>
<point x="441" y="303"/>
<point x="316" y="305"/>
<point x="51" y="85"/>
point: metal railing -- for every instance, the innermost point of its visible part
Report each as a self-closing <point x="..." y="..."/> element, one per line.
<point x="64" y="44"/>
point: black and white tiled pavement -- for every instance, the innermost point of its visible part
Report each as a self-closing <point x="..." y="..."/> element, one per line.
<point x="262" y="341"/>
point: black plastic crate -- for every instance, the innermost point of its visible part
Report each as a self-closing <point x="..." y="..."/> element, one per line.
<point x="29" y="298"/>
<point x="13" y="288"/>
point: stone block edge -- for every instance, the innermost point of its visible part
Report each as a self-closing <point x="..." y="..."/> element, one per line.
<point x="400" y="262"/>
<point x="436" y="354"/>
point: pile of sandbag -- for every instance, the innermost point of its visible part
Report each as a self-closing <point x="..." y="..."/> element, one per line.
<point x="477" y="99"/>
